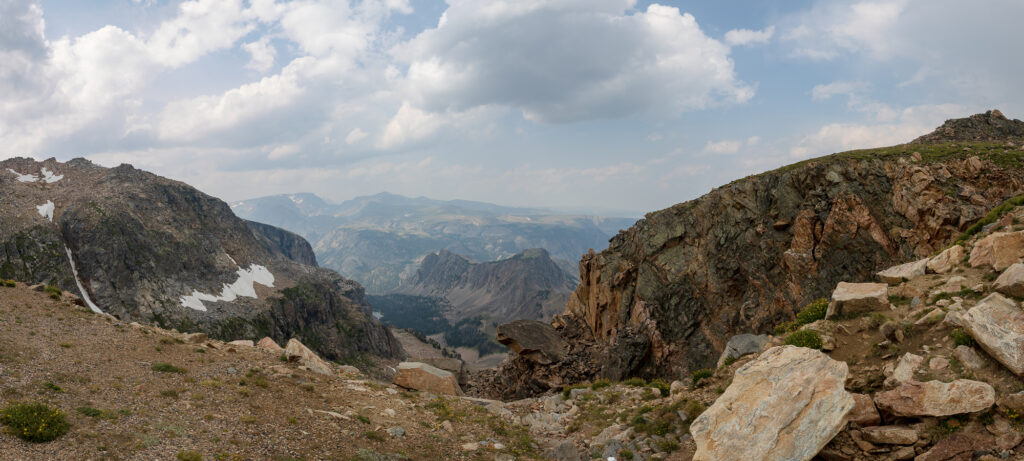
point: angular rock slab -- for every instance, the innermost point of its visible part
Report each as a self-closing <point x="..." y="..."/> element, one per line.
<point x="936" y="398"/>
<point x="1011" y="281"/>
<point x="864" y="412"/>
<point x="997" y="324"/>
<point x="998" y="250"/>
<point x="852" y="298"/>
<point x="898" y="274"/>
<point x="741" y="345"/>
<point x="947" y="260"/>
<point x="295" y="351"/>
<point x="270" y="345"/>
<point x="423" y="377"/>
<point x="787" y="404"/>
<point x="533" y="339"/>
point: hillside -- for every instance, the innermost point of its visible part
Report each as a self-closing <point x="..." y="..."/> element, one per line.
<point x="380" y="240"/>
<point x="667" y="294"/>
<point x="148" y="249"/>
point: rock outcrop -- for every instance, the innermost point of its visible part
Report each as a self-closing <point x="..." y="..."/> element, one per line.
<point x="148" y="249"/>
<point x="285" y="243"/>
<point x="997" y="324"/>
<point x="668" y="292"/>
<point x="533" y="340"/>
<point x="423" y="377"/>
<point x="786" y="404"/>
<point x="936" y="398"/>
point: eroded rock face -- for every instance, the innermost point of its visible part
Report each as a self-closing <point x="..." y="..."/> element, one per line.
<point x="423" y="377"/>
<point x="786" y="404"/>
<point x="903" y="272"/>
<point x="997" y="324"/>
<point x="295" y="351"/>
<point x="936" y="398"/>
<point x="532" y="339"/>
<point x="1011" y="281"/>
<point x="853" y="298"/>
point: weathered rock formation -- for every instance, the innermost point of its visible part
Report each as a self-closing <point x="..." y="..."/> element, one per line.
<point x="285" y="243"/>
<point x="669" y="291"/>
<point x="997" y="324"/>
<point x="148" y="249"/>
<point x="936" y="398"/>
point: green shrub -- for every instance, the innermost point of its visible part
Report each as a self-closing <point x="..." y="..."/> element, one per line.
<point x="805" y="338"/>
<point x="373" y="435"/>
<point x="53" y="291"/>
<point x="961" y="338"/>
<point x="189" y="456"/>
<point x="813" y="311"/>
<point x="34" y="422"/>
<point x="10" y="283"/>
<point x="167" y="368"/>
<point x="661" y="386"/>
<point x="785" y="327"/>
<point x="701" y="374"/>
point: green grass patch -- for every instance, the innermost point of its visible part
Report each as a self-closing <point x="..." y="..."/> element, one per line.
<point x="992" y="216"/>
<point x="961" y="338"/>
<point x="167" y="368"/>
<point x="701" y="374"/>
<point x="600" y="384"/>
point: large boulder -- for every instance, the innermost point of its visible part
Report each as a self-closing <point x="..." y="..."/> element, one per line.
<point x="295" y="351"/>
<point x="423" y="377"/>
<point x="997" y="324"/>
<point x="1011" y="281"/>
<point x="947" y="260"/>
<point x="269" y="345"/>
<point x="898" y="274"/>
<point x="786" y="404"/>
<point x="936" y="398"/>
<point x="743" y="344"/>
<point x="998" y="250"/>
<point x="534" y="340"/>
<point x="853" y="298"/>
<point x="450" y="364"/>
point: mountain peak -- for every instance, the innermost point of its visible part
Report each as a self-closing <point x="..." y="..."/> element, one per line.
<point x="990" y="126"/>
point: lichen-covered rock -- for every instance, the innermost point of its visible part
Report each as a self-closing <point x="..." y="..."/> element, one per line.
<point x="1011" y="281"/>
<point x="786" y="404"/>
<point x="853" y="298"/>
<point x="997" y="324"/>
<point x="903" y="272"/>
<point x="741" y="345"/>
<point x="936" y="398"/>
<point x="998" y="250"/>
<point x="295" y="351"/>
<point x="423" y="377"/>
<point x="947" y="260"/>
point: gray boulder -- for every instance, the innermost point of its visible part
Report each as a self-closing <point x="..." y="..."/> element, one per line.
<point x="743" y="344"/>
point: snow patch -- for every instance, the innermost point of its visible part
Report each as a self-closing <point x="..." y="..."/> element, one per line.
<point x="78" y="281"/>
<point x="49" y="177"/>
<point x="24" y="177"/>
<point x="244" y="286"/>
<point x="46" y="210"/>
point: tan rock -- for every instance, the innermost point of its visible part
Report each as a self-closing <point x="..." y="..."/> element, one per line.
<point x="864" y="412"/>
<point x="904" y="370"/>
<point x="997" y="324"/>
<point x="295" y="351"/>
<point x="898" y="274"/>
<point x="1011" y="281"/>
<point x="998" y="250"/>
<point x="935" y="316"/>
<point x="968" y="357"/>
<point x="786" y="404"/>
<point x="241" y="342"/>
<point x="194" y="338"/>
<point x="1013" y="402"/>
<point x="938" y="363"/>
<point x="852" y="298"/>
<point x="946" y="260"/>
<point x="935" y="398"/>
<point x="890" y="435"/>
<point x="423" y="377"/>
<point x="270" y="345"/>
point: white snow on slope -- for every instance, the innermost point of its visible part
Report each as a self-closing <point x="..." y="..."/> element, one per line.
<point x="24" y="177"/>
<point x="244" y="286"/>
<point x="78" y="281"/>
<point x="46" y="210"/>
<point x="49" y="177"/>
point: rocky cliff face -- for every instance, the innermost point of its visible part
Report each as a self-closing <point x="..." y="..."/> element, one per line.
<point x="284" y="243"/>
<point x="669" y="291"/>
<point x="148" y="249"/>
<point x="529" y="285"/>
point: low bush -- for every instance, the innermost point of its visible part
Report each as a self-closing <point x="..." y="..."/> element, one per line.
<point x="167" y="368"/>
<point x="34" y="422"/>
<point x="813" y="311"/>
<point x="961" y="338"/>
<point x="805" y="338"/>
<point x="701" y="374"/>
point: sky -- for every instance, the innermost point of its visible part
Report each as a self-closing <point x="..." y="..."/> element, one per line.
<point x="601" y="106"/>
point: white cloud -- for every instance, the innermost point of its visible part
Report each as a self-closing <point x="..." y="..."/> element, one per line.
<point x="825" y="91"/>
<point x="201" y="26"/>
<point x="833" y="27"/>
<point x="744" y="37"/>
<point x="284" y="151"/>
<point x="723" y="147"/>
<point x="356" y="135"/>
<point x="568" y="60"/>
<point x="753" y="140"/>
<point x="262" y="53"/>
<point x="911" y="123"/>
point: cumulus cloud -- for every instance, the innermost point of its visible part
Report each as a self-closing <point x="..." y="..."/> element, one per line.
<point x="827" y="90"/>
<point x="568" y="60"/>
<point x="262" y="54"/>
<point x="744" y="37"/>
<point x="723" y="147"/>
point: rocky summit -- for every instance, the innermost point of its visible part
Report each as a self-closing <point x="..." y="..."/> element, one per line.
<point x="151" y="250"/>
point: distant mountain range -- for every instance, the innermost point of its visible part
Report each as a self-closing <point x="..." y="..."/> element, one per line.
<point x="380" y="240"/>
